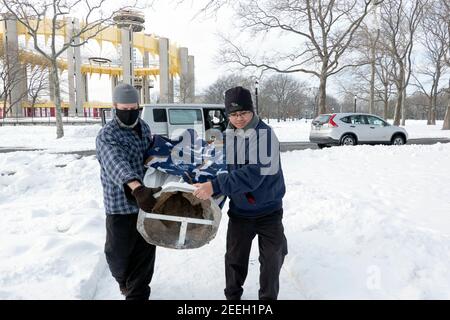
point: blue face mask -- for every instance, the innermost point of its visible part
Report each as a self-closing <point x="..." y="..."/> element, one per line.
<point x="129" y="118"/>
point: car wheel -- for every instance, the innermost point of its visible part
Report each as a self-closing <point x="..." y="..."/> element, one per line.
<point x="398" y="140"/>
<point x="348" y="140"/>
<point x="321" y="146"/>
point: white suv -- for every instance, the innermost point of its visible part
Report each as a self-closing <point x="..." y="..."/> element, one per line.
<point x="353" y="129"/>
<point x="167" y="119"/>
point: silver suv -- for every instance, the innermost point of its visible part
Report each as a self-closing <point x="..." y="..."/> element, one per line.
<point x="353" y="129"/>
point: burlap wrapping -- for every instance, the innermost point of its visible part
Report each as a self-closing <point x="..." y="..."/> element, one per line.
<point x="176" y="199"/>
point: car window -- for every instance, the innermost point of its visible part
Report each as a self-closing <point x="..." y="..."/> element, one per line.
<point x="185" y="116"/>
<point x="322" y="119"/>
<point x="346" y="120"/>
<point x="215" y="116"/>
<point x="375" y="121"/>
<point x="159" y="115"/>
<point x="215" y="119"/>
<point x="358" y="119"/>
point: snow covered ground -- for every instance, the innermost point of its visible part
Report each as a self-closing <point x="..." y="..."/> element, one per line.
<point x="76" y="138"/>
<point x="79" y="138"/>
<point x="365" y="222"/>
<point x="419" y="129"/>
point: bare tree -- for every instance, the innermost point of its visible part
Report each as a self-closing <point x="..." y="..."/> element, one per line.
<point x="324" y="30"/>
<point x="11" y="77"/>
<point x="215" y="93"/>
<point x="38" y="84"/>
<point x="373" y="42"/>
<point x="183" y="89"/>
<point x="211" y="6"/>
<point x="399" y="22"/>
<point x="435" y="40"/>
<point x="446" y="124"/>
<point x="33" y="14"/>
<point x="370" y="83"/>
<point x="384" y="69"/>
<point x="444" y="17"/>
<point x="284" y="94"/>
<point x="365" y="43"/>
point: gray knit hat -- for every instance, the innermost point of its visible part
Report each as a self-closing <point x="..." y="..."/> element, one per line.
<point x="125" y="93"/>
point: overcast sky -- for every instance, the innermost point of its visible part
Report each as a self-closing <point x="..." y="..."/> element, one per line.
<point x="179" y="21"/>
<point x="176" y="22"/>
<point x="200" y="36"/>
<point x="182" y="24"/>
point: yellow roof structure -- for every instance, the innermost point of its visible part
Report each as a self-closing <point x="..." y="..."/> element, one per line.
<point x="141" y="41"/>
<point x="66" y="105"/>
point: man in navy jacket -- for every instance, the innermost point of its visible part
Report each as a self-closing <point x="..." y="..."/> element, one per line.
<point x="255" y="185"/>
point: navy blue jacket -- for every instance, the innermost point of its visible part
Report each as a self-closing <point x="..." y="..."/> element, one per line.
<point x="252" y="193"/>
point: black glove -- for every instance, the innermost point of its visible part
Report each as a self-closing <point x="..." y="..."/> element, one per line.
<point x="144" y="197"/>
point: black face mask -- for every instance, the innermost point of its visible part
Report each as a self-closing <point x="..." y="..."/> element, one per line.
<point x="128" y="118"/>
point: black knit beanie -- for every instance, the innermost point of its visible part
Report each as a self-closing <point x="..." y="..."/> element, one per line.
<point x="238" y="99"/>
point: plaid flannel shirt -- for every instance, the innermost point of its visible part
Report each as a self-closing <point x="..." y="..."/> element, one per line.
<point x="121" y="153"/>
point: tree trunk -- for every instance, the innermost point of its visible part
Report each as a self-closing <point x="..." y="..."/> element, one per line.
<point x="278" y="112"/>
<point x="5" y="101"/>
<point x="4" y="107"/>
<point x="400" y="83"/>
<point x="434" y="110"/>
<point x="435" y="94"/>
<point x="322" y="95"/>
<point x="430" y="111"/>
<point x="386" y="102"/>
<point x="33" y="101"/>
<point x="446" y="125"/>
<point x="403" y="107"/>
<point x="58" y="113"/>
<point x="372" y="76"/>
<point x="398" y="106"/>
<point x="433" y="119"/>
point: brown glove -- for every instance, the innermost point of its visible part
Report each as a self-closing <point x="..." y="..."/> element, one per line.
<point x="144" y="197"/>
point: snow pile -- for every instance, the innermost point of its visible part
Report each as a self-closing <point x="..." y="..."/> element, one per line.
<point x="52" y="226"/>
<point x="369" y="222"/>
<point x="76" y="138"/>
<point x="362" y="222"/>
<point x="419" y="129"/>
<point x="289" y="131"/>
<point x="87" y="131"/>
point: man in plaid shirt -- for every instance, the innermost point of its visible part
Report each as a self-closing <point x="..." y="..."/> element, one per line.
<point x="120" y="147"/>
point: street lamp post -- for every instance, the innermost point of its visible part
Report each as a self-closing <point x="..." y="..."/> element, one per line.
<point x="354" y="107"/>
<point x="256" y="96"/>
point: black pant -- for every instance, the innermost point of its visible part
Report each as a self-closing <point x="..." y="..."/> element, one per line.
<point x="130" y="258"/>
<point x="272" y="250"/>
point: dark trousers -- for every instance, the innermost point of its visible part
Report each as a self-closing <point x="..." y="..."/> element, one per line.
<point x="130" y="258"/>
<point x="272" y="250"/>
